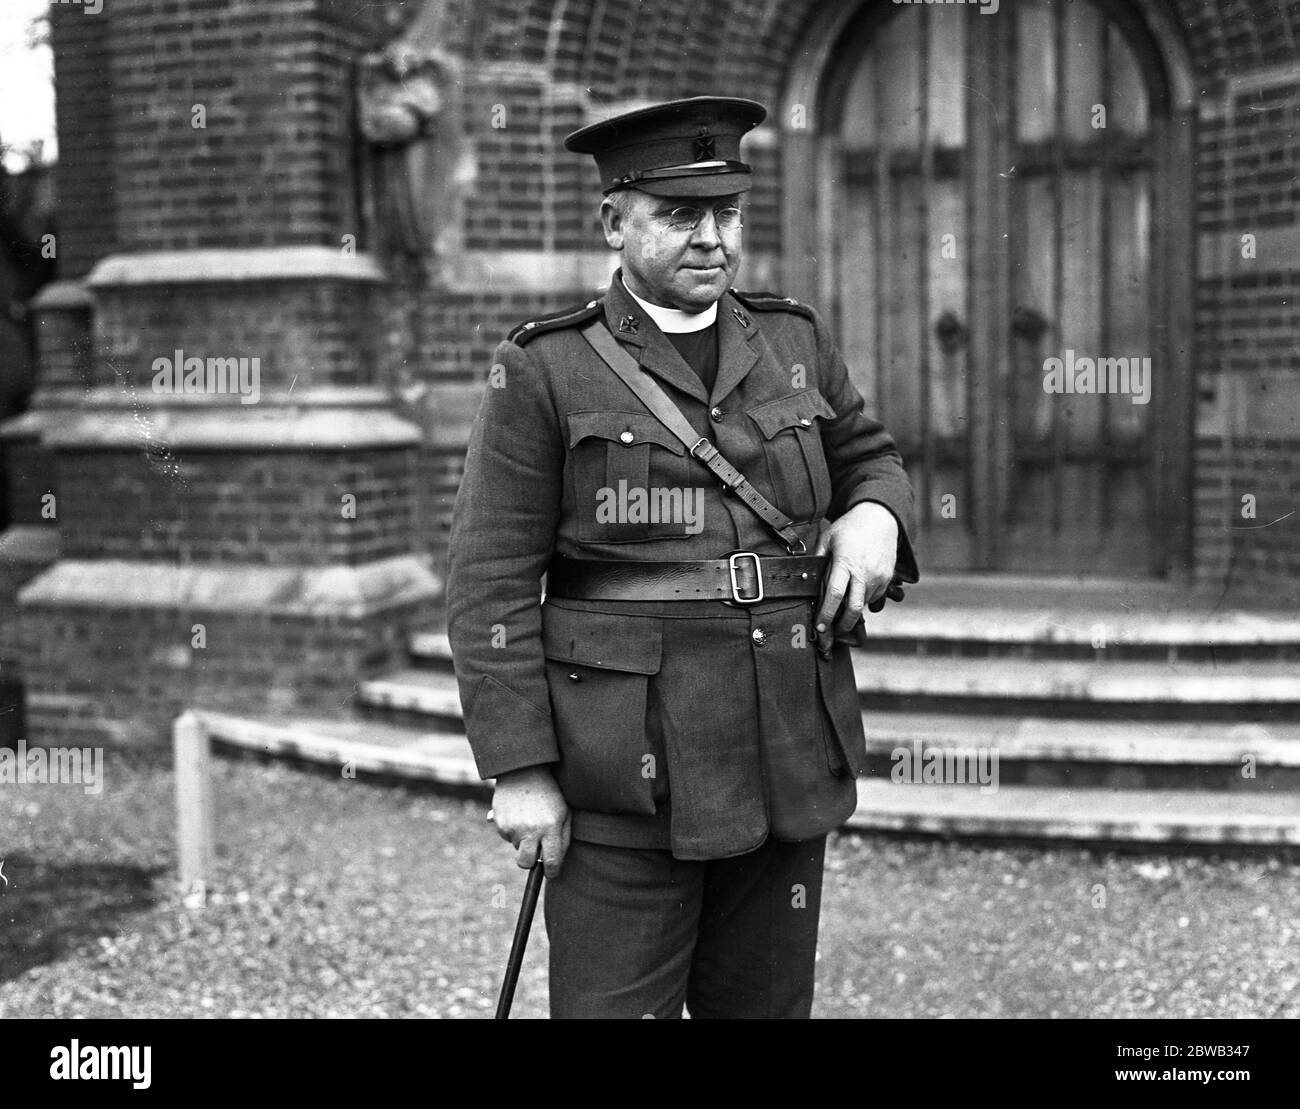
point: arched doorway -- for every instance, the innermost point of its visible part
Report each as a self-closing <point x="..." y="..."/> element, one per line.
<point x="1000" y="208"/>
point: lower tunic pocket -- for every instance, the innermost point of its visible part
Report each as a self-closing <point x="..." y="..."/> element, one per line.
<point x="598" y="669"/>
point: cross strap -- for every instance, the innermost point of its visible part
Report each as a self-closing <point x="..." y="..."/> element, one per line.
<point x="699" y="447"/>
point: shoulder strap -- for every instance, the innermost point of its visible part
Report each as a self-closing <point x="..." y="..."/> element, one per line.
<point x="525" y="333"/>
<point x="668" y="414"/>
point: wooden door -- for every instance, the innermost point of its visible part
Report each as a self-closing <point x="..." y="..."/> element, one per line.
<point x="993" y="189"/>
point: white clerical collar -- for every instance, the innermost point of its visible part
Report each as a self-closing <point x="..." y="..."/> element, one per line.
<point x="673" y="321"/>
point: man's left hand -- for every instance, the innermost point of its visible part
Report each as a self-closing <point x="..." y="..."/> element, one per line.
<point x="863" y="545"/>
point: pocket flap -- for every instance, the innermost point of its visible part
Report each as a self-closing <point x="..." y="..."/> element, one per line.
<point x="604" y="640"/>
<point x="616" y="426"/>
<point x="796" y="410"/>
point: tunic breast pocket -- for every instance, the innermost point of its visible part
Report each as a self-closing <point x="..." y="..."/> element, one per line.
<point x="631" y="479"/>
<point x="598" y="670"/>
<point x="792" y="447"/>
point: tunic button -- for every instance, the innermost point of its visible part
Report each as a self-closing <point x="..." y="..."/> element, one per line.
<point x="715" y="414"/>
<point x="759" y="636"/>
<point x="627" y="437"/>
<point x="575" y="677"/>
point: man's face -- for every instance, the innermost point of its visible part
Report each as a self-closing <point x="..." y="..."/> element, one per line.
<point x="668" y="263"/>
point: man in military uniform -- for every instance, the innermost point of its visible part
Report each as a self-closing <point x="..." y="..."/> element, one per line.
<point x="676" y="728"/>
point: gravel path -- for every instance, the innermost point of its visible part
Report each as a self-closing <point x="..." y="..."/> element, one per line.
<point x="337" y="898"/>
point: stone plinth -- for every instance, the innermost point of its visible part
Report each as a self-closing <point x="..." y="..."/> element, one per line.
<point x="238" y="531"/>
<point x="125" y="645"/>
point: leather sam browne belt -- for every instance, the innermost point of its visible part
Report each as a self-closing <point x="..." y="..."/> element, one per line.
<point x="742" y="578"/>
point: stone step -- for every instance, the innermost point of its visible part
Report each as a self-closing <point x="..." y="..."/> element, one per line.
<point x="1017" y="680"/>
<point x="431" y="693"/>
<point x="1033" y="627"/>
<point x="1082" y="601"/>
<point x="372" y="747"/>
<point x="415" y="693"/>
<point x="1140" y="816"/>
<point x="431" y="650"/>
<point x="1023" y="738"/>
<point x="1104" y="620"/>
<point x="1252" y="817"/>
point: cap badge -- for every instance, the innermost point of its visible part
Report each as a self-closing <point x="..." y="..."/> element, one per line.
<point x="703" y="150"/>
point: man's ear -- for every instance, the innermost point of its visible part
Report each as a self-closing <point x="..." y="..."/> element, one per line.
<point x="611" y="220"/>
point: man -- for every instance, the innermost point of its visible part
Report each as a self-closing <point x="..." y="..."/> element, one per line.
<point x="676" y="729"/>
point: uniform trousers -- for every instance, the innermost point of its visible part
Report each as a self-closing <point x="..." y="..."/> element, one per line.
<point x="635" y="932"/>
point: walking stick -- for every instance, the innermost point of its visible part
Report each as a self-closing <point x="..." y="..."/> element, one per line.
<point x="525" y="923"/>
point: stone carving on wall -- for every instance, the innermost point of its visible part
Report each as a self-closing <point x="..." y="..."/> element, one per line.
<point x="410" y="116"/>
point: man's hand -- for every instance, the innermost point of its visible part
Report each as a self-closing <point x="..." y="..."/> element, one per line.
<point x="530" y="813"/>
<point x="863" y="545"/>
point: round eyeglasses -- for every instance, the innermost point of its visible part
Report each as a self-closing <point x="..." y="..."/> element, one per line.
<point x="688" y="219"/>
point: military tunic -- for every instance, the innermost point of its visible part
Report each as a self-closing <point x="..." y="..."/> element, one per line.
<point x="676" y="725"/>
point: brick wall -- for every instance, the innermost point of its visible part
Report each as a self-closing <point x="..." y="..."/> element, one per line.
<point x="1248" y="182"/>
<point x="1248" y="324"/>
<point x="279" y="508"/>
<point x="530" y="193"/>
<point x="64" y="346"/>
<point x="440" y="472"/>
<point x="316" y="331"/>
<point x="271" y="166"/>
<point x="448" y="336"/>
<point x="87" y="170"/>
<point x="251" y="662"/>
<point x="1249" y="553"/>
<point x="526" y="186"/>
<point x="763" y="215"/>
<point x="29" y="476"/>
<point x="1248" y="168"/>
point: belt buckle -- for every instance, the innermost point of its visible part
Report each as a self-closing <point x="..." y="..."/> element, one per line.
<point x="736" y="598"/>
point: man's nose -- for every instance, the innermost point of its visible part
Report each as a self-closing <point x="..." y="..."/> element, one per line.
<point x="706" y="233"/>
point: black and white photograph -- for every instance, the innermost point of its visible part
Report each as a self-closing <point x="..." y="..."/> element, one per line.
<point x="651" y="509"/>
